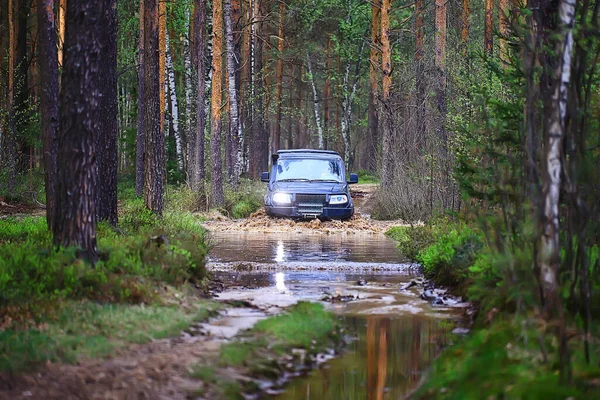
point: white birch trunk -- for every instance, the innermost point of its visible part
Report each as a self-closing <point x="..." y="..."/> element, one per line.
<point x="188" y="94"/>
<point x="315" y="102"/>
<point x="549" y="246"/>
<point x="174" y="106"/>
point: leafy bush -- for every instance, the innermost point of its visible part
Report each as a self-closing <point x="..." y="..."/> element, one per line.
<point x="248" y="198"/>
<point x="412" y="239"/>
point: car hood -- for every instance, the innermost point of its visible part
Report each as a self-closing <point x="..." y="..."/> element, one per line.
<point x="310" y="187"/>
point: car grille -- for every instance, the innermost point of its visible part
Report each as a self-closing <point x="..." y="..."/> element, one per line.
<point x="310" y="204"/>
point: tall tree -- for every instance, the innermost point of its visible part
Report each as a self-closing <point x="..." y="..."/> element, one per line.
<point x="419" y="75"/>
<point x="48" y="58"/>
<point x="216" y="176"/>
<point x="504" y="11"/>
<point x="197" y="144"/>
<point x="162" y="61"/>
<point x="488" y="27"/>
<point x="154" y="159"/>
<point x="62" y="11"/>
<point x="279" y="84"/>
<point x="108" y="135"/>
<point x="371" y="143"/>
<point x="141" y="114"/>
<point x="77" y="172"/>
<point x="327" y="94"/>
<point x="387" y="165"/>
<point x="555" y="128"/>
<point x="316" y="100"/>
<point x="234" y="119"/>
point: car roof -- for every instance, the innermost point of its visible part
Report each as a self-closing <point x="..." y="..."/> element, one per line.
<point x="307" y="153"/>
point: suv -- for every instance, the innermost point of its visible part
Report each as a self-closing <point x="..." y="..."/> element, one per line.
<point x="308" y="184"/>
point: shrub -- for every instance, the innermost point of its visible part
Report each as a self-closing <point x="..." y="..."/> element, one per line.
<point x="241" y="202"/>
<point x="412" y="239"/>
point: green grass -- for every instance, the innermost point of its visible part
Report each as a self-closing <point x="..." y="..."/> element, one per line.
<point x="305" y="325"/>
<point x="505" y="361"/>
<point x="368" y="177"/>
<point x="84" y="329"/>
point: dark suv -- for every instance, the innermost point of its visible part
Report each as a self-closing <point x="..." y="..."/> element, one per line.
<point x="308" y="184"/>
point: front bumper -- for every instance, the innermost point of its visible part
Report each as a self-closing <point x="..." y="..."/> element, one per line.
<point x="327" y="212"/>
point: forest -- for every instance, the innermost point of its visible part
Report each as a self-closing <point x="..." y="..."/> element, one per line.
<point x="127" y="122"/>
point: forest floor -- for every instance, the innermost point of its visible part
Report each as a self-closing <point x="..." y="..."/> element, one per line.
<point x="168" y="368"/>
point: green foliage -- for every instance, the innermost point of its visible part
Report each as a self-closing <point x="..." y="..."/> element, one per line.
<point x="411" y="240"/>
<point x="245" y="200"/>
<point x="368" y="177"/>
<point x="86" y="329"/>
<point x="506" y="361"/>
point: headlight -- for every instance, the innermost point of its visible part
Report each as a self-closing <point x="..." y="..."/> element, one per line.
<point x="338" y="199"/>
<point x="282" y="198"/>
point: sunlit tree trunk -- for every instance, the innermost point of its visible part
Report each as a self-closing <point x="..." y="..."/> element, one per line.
<point x="154" y="160"/>
<point x="48" y="100"/>
<point x="387" y="166"/>
<point x="77" y="172"/>
<point x="62" y="11"/>
<point x="216" y="178"/>
<point x="107" y="137"/>
<point x="504" y="12"/>
<point x="141" y="130"/>
<point x="371" y="144"/>
<point x="162" y="61"/>
<point x="382" y="358"/>
<point x="466" y="25"/>
<point x="440" y="63"/>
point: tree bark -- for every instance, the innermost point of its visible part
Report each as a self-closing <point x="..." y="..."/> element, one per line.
<point x="48" y="100"/>
<point x="419" y="76"/>
<point x="504" y="11"/>
<point x="154" y="161"/>
<point x="141" y="130"/>
<point x="488" y="27"/>
<point x="75" y="215"/>
<point x="216" y="178"/>
<point x="106" y="206"/>
<point x="387" y="166"/>
<point x="174" y="103"/>
<point x="162" y="61"/>
<point x="327" y="92"/>
<point x="200" y="66"/>
<point x="236" y="126"/>
<point x="440" y="63"/>
<point x="280" y="46"/>
<point x="371" y="144"/>
<point x="316" y="100"/>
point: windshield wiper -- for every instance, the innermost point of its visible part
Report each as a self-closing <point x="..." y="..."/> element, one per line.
<point x="327" y="180"/>
<point x="294" y="180"/>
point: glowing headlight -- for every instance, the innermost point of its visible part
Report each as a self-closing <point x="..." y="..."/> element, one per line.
<point x="338" y="199"/>
<point x="282" y="198"/>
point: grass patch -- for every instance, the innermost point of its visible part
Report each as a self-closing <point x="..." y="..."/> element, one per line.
<point x="256" y="353"/>
<point x="246" y="199"/>
<point x="84" y="329"/>
<point x="365" y="176"/>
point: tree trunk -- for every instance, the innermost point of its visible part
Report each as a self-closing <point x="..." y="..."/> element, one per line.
<point x="77" y="173"/>
<point x="141" y="130"/>
<point x="216" y="178"/>
<point x="315" y="102"/>
<point x="174" y="104"/>
<point x="106" y="206"/>
<point x="200" y="65"/>
<point x="556" y="117"/>
<point x="466" y="25"/>
<point x="154" y="160"/>
<point x="420" y="77"/>
<point x="371" y="144"/>
<point x="387" y="166"/>
<point x="440" y="63"/>
<point x="489" y="27"/>
<point x="162" y="61"/>
<point x="246" y="103"/>
<point x="62" y="11"/>
<point x="236" y="127"/>
<point x="48" y="100"/>
<point x="279" y="84"/>
<point x="301" y="143"/>
<point x="189" y="99"/>
<point x="258" y="132"/>
<point x="504" y="12"/>
<point x="327" y="93"/>
<point x="290" y="136"/>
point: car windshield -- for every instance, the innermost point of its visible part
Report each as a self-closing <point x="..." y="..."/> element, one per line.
<point x="309" y="169"/>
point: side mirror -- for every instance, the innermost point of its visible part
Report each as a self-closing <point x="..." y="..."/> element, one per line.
<point x="353" y="178"/>
<point x="264" y="177"/>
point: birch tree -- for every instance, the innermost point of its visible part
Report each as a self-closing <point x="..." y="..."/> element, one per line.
<point x="317" y="112"/>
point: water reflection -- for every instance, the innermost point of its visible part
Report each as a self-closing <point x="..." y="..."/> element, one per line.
<point x="280" y="282"/>
<point x="384" y="363"/>
<point x="292" y="247"/>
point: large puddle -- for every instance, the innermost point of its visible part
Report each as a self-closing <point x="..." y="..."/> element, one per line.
<point x="397" y="334"/>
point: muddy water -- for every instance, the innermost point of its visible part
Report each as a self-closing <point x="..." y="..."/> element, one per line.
<point x="396" y="334"/>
